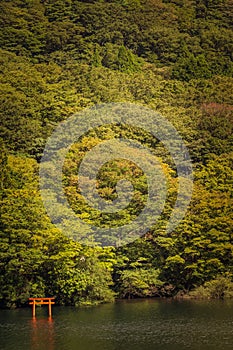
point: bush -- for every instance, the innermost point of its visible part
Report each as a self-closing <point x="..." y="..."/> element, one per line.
<point x="219" y="288"/>
<point x="140" y="283"/>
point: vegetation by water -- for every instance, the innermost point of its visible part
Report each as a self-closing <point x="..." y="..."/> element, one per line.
<point x="59" y="57"/>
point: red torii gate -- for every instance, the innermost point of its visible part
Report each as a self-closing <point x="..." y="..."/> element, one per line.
<point x="41" y="301"/>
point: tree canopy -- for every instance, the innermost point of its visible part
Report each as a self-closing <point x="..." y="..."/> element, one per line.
<point x="60" y="57"/>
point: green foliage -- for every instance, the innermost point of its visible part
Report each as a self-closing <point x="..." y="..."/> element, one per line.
<point x="58" y="57"/>
<point x="139" y="283"/>
<point x="35" y="259"/>
<point x="219" y="288"/>
<point x="191" y="67"/>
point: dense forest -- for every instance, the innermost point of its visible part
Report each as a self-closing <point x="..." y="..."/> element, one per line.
<point x="59" y="57"/>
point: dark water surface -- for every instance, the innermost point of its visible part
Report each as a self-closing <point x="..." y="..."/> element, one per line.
<point x="126" y="325"/>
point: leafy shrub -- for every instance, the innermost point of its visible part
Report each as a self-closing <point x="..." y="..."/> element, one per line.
<point x="218" y="288"/>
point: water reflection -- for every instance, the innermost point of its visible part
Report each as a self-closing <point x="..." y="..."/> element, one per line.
<point x="42" y="333"/>
<point x="127" y="325"/>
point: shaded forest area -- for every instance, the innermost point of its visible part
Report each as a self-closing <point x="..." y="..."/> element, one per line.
<point x="61" y="56"/>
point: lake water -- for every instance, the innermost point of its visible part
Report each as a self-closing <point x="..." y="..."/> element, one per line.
<point x="125" y="325"/>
